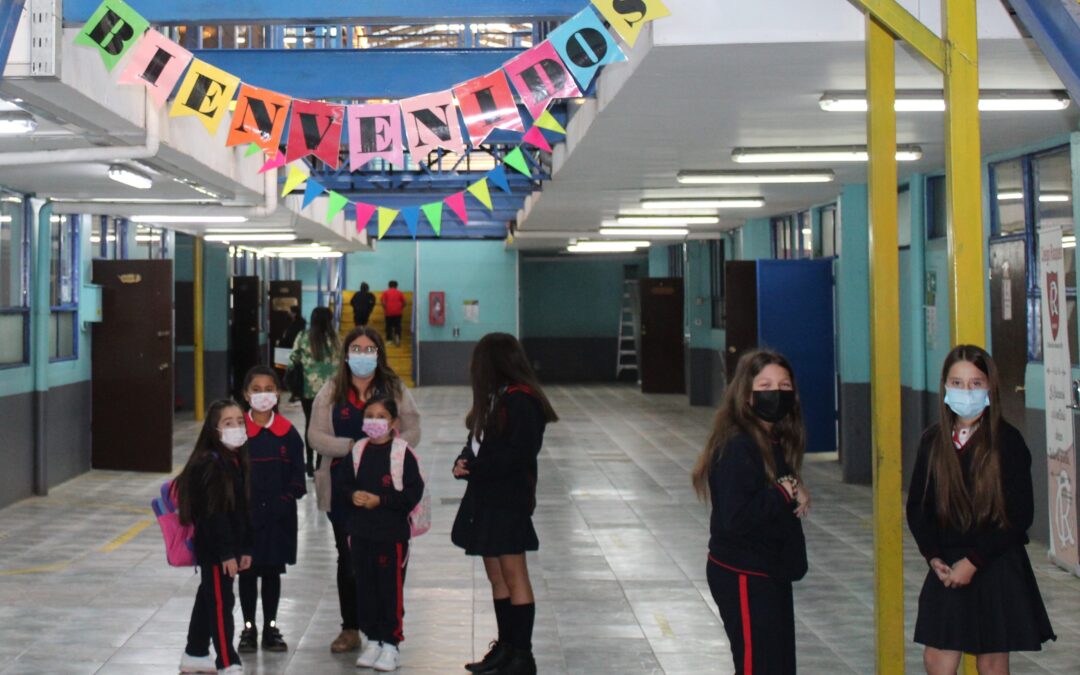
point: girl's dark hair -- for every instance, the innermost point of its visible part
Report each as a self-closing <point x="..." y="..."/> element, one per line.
<point x="984" y="502"/>
<point x="499" y="361"/>
<point x="321" y="334"/>
<point x="256" y="371"/>
<point x="386" y="402"/>
<point x="385" y="379"/>
<point x="202" y="466"/>
<point x="735" y="415"/>
<point x="364" y="288"/>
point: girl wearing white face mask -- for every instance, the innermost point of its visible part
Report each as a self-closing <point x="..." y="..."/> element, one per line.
<point x="969" y="507"/>
<point x="277" y="481"/>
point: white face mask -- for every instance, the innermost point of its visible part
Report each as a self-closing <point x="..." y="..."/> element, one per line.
<point x="263" y="401"/>
<point x="234" y="437"/>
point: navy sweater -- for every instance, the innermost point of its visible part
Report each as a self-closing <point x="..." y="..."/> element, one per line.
<point x="389" y="521"/>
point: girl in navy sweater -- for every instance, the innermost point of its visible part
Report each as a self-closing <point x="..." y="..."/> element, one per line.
<point x="750" y="468"/>
<point x="211" y="494"/>
<point x="277" y="481"/>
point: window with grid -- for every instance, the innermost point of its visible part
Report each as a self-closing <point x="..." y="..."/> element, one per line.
<point x="14" y="282"/>
<point x="675" y="261"/>
<point x="827" y="232"/>
<point x="64" y="289"/>
<point x="717" y="258"/>
<point x="937" y="216"/>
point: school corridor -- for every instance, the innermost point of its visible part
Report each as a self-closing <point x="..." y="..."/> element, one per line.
<point x="619" y="578"/>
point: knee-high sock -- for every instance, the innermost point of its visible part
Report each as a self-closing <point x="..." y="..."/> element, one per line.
<point x="249" y="596"/>
<point x="502" y="618"/>
<point x="271" y="595"/>
<point x="524" y="616"/>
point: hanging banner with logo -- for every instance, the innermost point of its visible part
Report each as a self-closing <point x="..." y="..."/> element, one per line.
<point x="1060" y="445"/>
<point x="375" y="133"/>
<point x="259" y="118"/>
<point x="431" y="121"/>
<point x="487" y="103"/>
<point x="584" y="45"/>
<point x="113" y="29"/>
<point x="539" y="77"/>
<point x="156" y="62"/>
<point x="628" y="17"/>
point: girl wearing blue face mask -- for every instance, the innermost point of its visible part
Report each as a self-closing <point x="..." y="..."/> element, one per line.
<point x="337" y="422"/>
<point x="969" y="507"/>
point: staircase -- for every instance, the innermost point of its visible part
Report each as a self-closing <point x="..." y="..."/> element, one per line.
<point x="1055" y="27"/>
<point x="399" y="358"/>
<point x="629" y="331"/>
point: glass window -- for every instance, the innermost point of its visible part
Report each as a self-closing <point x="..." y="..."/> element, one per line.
<point x="1009" y="191"/>
<point x="828" y="231"/>
<point x="148" y="243"/>
<point x="103" y="238"/>
<point x="675" y="261"/>
<point x="14" y="282"/>
<point x="717" y="258"/>
<point x="903" y="216"/>
<point x="1054" y="208"/>
<point x="806" y="235"/>
<point x="63" y="288"/>
<point x="937" y="210"/>
<point x="785" y="242"/>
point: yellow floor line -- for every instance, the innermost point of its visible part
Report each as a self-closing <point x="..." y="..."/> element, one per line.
<point x="665" y="626"/>
<point x="127" y="536"/>
<point x="43" y="569"/>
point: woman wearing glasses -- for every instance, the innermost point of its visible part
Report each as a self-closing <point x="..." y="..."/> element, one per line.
<point x="337" y="421"/>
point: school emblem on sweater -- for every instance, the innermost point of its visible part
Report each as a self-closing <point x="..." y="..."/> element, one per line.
<point x="1053" y="289"/>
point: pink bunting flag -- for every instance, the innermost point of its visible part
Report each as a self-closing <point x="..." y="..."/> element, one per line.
<point x="539" y="76"/>
<point x="364" y="212"/>
<point x="275" y="162"/>
<point x="456" y="202"/>
<point x="315" y="129"/>
<point x="535" y="138"/>
<point x="375" y="133"/>
<point x="157" y="63"/>
<point x="431" y="121"/>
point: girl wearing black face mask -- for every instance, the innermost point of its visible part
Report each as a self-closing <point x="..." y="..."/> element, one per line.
<point x="750" y="469"/>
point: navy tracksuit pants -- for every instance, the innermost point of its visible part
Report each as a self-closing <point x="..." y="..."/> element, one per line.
<point x="212" y="617"/>
<point x="759" y="619"/>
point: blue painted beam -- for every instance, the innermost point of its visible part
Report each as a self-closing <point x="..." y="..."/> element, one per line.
<point x="356" y="73"/>
<point x="10" y="13"/>
<point x="1057" y="33"/>
<point x="369" y="11"/>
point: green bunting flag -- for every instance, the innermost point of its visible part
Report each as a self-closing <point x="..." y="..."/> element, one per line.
<point x="113" y="29"/>
<point x="433" y="211"/>
<point x="337" y="203"/>
<point x="251" y="150"/>
<point x="516" y="159"/>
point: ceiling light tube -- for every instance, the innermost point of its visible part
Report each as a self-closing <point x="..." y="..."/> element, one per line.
<point x="14" y="122"/>
<point x="247" y="230"/>
<point x="314" y="248"/>
<point x="250" y="237"/>
<point x="836" y="153"/>
<point x="606" y="246"/>
<point x="754" y="177"/>
<point x="672" y="220"/>
<point x="644" y="232"/>
<point x="704" y="203"/>
<point x="191" y="220"/>
<point x="309" y="254"/>
<point x="934" y="101"/>
<point x="130" y="177"/>
<point x="1044" y="198"/>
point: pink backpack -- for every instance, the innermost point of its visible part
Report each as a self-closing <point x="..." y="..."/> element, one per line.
<point x="420" y="516"/>
<point x="179" y="539"/>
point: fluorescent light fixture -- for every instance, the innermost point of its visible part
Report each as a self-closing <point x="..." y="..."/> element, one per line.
<point x="934" y="101"/>
<point x="606" y="246"/>
<point x="753" y="177"/>
<point x="281" y="236"/>
<point x="314" y="248"/>
<point x="130" y="177"/>
<point x="14" y="122"/>
<point x="145" y="238"/>
<point x="191" y="220"/>
<point x="825" y="153"/>
<point x="807" y="230"/>
<point x="1068" y="241"/>
<point x="310" y="254"/>
<point x="704" y="203"/>
<point x="4" y="220"/>
<point x="248" y="230"/>
<point x="1044" y="198"/>
<point x="673" y="220"/>
<point x="644" y="232"/>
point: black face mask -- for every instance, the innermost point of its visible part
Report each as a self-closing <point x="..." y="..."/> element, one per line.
<point x="772" y="405"/>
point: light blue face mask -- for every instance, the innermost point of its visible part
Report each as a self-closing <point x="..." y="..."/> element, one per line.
<point x="363" y="365"/>
<point x="967" y="403"/>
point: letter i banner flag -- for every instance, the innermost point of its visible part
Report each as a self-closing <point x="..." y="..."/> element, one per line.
<point x="259" y="119"/>
<point x="113" y="29"/>
<point x="205" y="92"/>
<point x="487" y="104"/>
<point x="431" y="122"/>
<point x="375" y="133"/>
<point x="585" y="45"/>
<point x="628" y="17"/>
<point x="157" y="63"/>
<point x="315" y="129"/>
<point x="540" y="76"/>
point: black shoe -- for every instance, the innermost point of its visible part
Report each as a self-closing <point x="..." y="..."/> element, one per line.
<point x="310" y="470"/>
<point x="249" y="640"/>
<point x="272" y="640"/>
<point x="521" y="662"/>
<point x="496" y="656"/>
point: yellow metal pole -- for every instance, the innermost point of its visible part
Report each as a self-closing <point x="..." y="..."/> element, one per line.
<point x="885" y="348"/>
<point x="963" y="174"/>
<point x="200" y="392"/>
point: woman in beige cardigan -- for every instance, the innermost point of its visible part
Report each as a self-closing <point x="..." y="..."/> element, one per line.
<point x="337" y="419"/>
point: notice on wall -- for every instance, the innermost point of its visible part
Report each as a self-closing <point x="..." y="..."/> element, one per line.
<point x="1060" y="446"/>
<point x="1006" y="293"/>
<point x="931" y="327"/>
<point x="472" y="311"/>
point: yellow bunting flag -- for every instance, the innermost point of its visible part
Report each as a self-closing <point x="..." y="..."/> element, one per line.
<point x="628" y="18"/>
<point x="480" y="190"/>
<point x="206" y="92"/>
<point x="296" y="177"/>
<point x="386" y="219"/>
<point x="548" y="121"/>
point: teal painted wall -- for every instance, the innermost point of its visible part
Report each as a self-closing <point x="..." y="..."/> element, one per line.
<point x="469" y="270"/>
<point x="756" y="240"/>
<point x="215" y="298"/>
<point x="307" y="275"/>
<point x="853" y="291"/>
<point x="392" y="259"/>
<point x="658" y="262"/>
<point x="574" y="296"/>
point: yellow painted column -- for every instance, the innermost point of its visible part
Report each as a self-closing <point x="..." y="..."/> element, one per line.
<point x="200" y="385"/>
<point x="963" y="175"/>
<point x="885" y="349"/>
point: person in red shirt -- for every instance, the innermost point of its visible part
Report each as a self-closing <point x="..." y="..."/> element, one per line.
<point x="393" y="302"/>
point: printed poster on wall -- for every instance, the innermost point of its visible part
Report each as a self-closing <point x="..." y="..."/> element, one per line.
<point x="1060" y="446"/>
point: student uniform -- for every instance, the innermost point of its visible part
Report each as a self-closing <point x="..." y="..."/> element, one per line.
<point x="219" y="536"/>
<point x="756" y="550"/>
<point x="1001" y="610"/>
<point x="379" y="537"/>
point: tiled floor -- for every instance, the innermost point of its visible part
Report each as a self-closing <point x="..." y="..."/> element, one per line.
<point x="619" y="577"/>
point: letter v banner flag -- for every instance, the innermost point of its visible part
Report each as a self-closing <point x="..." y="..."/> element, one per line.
<point x="315" y="129"/>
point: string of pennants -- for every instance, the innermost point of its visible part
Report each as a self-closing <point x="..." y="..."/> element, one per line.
<point x="562" y="66"/>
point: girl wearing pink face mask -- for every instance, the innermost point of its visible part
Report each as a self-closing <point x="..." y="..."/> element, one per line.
<point x="379" y="533"/>
<point x="277" y="481"/>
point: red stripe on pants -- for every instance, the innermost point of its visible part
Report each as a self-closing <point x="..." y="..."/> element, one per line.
<point x="748" y="644"/>
<point x="399" y="631"/>
<point x="220" y="616"/>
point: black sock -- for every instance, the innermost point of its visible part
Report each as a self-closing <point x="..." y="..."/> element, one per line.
<point x="524" y="616"/>
<point x="502" y="617"/>
<point x="271" y="596"/>
<point x="249" y="596"/>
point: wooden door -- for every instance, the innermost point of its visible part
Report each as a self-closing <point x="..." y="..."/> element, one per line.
<point x="741" y="310"/>
<point x="132" y="367"/>
<point x="662" y="351"/>
<point x="1008" y="322"/>
<point x="244" y="333"/>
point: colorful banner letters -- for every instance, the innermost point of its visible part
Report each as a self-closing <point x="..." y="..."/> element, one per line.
<point x="113" y="29"/>
<point x="487" y="104"/>
<point x="431" y="122"/>
<point x="157" y="63"/>
<point x="585" y="45"/>
<point x="259" y="119"/>
<point x="315" y="129"/>
<point x="628" y="17"/>
<point x="539" y="77"/>
<point x="375" y="133"/>
<point x="206" y="92"/>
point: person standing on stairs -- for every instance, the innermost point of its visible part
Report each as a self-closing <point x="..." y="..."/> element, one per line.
<point x="393" y="302"/>
<point x="363" y="304"/>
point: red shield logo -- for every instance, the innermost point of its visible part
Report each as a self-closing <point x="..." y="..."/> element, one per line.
<point x="1053" y="301"/>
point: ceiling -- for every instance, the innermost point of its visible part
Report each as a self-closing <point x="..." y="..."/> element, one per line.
<point x="687" y="107"/>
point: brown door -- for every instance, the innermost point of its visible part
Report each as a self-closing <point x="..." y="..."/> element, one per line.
<point x="244" y="344"/>
<point x="662" y="363"/>
<point x="740" y="306"/>
<point x="1008" y="323"/>
<point x="284" y="295"/>
<point x="132" y="367"/>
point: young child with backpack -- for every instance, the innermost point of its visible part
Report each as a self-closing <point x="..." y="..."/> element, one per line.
<point x="381" y="488"/>
<point x="211" y="494"/>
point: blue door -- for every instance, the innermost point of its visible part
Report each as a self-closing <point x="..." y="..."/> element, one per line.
<point x="795" y="318"/>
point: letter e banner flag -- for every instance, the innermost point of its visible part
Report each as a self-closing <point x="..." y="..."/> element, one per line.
<point x="205" y="92"/>
<point x="375" y="133"/>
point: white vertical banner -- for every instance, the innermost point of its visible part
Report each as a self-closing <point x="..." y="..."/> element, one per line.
<point x="1060" y="447"/>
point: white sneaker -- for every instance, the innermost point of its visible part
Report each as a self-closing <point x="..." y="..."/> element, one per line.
<point x="388" y="659"/>
<point x="197" y="664"/>
<point x="370" y="655"/>
<point x="235" y="669"/>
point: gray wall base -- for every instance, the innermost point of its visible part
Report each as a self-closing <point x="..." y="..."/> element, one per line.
<point x="571" y="360"/>
<point x="706" y="378"/>
<point x="444" y="363"/>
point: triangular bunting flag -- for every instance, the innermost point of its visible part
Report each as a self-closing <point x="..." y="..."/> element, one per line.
<point x="311" y="191"/>
<point x="364" y="212"/>
<point x="252" y="149"/>
<point x="386" y="219"/>
<point x="456" y="202"/>
<point x="535" y="138"/>
<point x="479" y="189"/>
<point x="411" y="214"/>
<point x="548" y="121"/>
<point x="498" y="177"/>
<point x="296" y="177"/>
<point x="433" y="211"/>
<point x="276" y="162"/>
<point x="517" y="160"/>
<point x="337" y="203"/>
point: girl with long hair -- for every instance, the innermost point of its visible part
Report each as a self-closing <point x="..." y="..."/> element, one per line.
<point x="750" y="468"/>
<point x="316" y="352"/>
<point x="969" y="507"/>
<point x="506" y="430"/>
<point x="212" y="495"/>
<point x="337" y="422"/>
